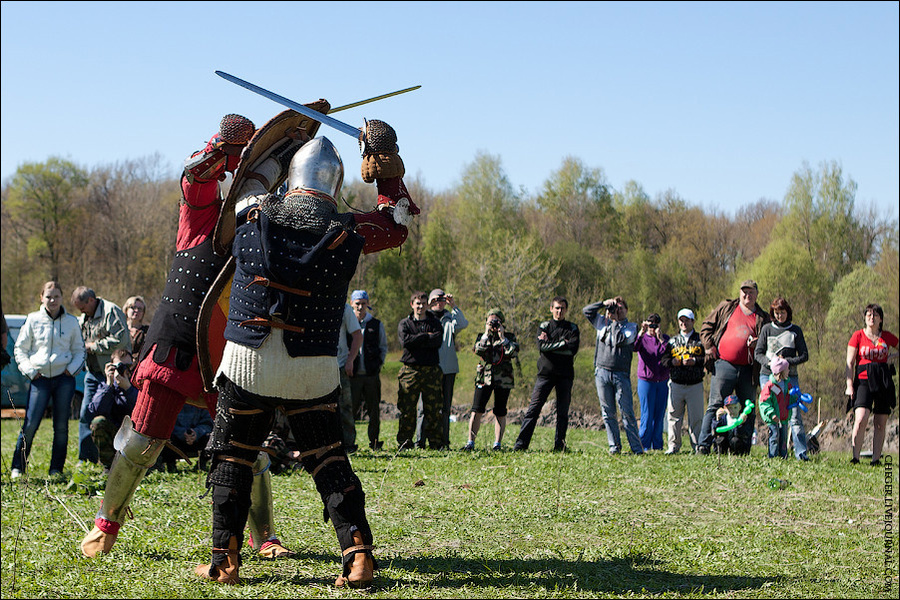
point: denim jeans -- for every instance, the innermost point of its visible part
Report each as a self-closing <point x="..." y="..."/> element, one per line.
<point x="653" y="396"/>
<point x="727" y="379"/>
<point x="778" y="435"/>
<point x="44" y="390"/>
<point x="87" y="449"/>
<point x="614" y="387"/>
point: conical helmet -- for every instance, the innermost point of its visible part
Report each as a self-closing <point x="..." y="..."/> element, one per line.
<point x="317" y="166"/>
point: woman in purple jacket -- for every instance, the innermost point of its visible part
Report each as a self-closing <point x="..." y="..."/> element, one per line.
<point x="653" y="382"/>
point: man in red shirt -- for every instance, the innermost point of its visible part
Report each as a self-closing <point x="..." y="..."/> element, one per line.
<point x="729" y="337"/>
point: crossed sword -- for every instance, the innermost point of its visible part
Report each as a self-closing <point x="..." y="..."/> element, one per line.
<point x="354" y="132"/>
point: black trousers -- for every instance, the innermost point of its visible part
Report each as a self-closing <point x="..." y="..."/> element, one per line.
<point x="543" y="385"/>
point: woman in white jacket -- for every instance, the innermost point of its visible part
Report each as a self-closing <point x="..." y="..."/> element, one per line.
<point x="49" y="352"/>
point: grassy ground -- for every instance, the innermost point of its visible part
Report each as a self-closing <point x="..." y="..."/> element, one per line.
<point x="488" y="525"/>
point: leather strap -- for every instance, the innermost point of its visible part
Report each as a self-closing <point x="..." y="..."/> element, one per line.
<point x="260" y="322"/>
<point x="338" y="240"/>
<point x="239" y="461"/>
<point x="328" y="460"/>
<point x="258" y="280"/>
<point x="249" y="447"/>
<point x="250" y="411"/>
<point x="360" y="548"/>
<point x="329" y="407"/>
<point x="318" y="452"/>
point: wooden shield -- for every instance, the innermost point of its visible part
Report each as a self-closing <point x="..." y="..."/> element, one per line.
<point x="211" y="325"/>
<point x="281" y="127"/>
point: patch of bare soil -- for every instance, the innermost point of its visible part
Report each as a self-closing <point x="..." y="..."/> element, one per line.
<point x="834" y="435"/>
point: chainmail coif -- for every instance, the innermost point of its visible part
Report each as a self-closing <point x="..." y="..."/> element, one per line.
<point x="305" y="212"/>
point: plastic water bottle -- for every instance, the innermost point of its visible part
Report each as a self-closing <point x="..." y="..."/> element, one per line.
<point x="778" y="484"/>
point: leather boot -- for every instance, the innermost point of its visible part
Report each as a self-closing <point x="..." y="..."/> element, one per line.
<point x="227" y="571"/>
<point x="98" y="542"/>
<point x="360" y="572"/>
<point x="275" y="549"/>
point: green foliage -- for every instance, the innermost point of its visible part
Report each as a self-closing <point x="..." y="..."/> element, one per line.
<point x="820" y="217"/>
<point x="42" y="203"/>
<point x="490" y="244"/>
<point x="576" y="205"/>
<point x="510" y="275"/>
<point x="485" y="204"/>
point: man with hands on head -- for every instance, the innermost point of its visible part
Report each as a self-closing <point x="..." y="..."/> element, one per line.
<point x="452" y="321"/>
<point x="616" y="336"/>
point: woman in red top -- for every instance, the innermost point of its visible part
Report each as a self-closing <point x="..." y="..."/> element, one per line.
<point x="870" y="384"/>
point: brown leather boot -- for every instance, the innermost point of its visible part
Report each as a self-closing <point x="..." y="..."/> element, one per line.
<point x="97" y="542"/>
<point x="361" y="571"/>
<point x="275" y="549"/>
<point x="226" y="572"/>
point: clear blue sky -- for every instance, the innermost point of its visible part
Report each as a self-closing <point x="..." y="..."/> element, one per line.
<point x="720" y="102"/>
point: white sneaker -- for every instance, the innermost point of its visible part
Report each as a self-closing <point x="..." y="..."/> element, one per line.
<point x="15" y="473"/>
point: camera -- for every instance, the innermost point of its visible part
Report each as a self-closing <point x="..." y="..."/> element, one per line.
<point x="652" y="325"/>
<point x="494" y="323"/>
<point x="123" y="369"/>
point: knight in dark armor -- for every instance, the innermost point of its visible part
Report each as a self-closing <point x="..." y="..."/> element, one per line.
<point x="168" y="374"/>
<point x="295" y="256"/>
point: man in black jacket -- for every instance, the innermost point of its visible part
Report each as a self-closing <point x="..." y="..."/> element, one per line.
<point x="558" y="342"/>
<point x="420" y="337"/>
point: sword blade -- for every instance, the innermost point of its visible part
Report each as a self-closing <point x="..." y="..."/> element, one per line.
<point x="375" y="99"/>
<point x="324" y="119"/>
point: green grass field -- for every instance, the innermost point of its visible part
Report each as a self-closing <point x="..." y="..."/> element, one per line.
<point x="488" y="525"/>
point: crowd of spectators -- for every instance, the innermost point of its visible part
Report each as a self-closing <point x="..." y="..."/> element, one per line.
<point x="750" y="354"/>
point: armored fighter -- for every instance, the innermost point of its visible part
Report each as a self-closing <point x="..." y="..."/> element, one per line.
<point x="169" y="374"/>
<point x="295" y="255"/>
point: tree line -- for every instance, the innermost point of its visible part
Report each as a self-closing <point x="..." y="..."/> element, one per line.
<point x="112" y="228"/>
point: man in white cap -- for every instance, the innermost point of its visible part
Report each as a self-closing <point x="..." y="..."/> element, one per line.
<point x="684" y="359"/>
<point x="365" y="381"/>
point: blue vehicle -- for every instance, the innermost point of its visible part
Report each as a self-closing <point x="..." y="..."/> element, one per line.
<point x="15" y="386"/>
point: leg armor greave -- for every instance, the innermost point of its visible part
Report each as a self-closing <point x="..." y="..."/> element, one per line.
<point x="317" y="429"/>
<point x="261" y="519"/>
<point x="135" y="454"/>
<point x="239" y="430"/>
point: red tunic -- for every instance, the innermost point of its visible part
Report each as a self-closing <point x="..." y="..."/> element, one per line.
<point x="157" y="409"/>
